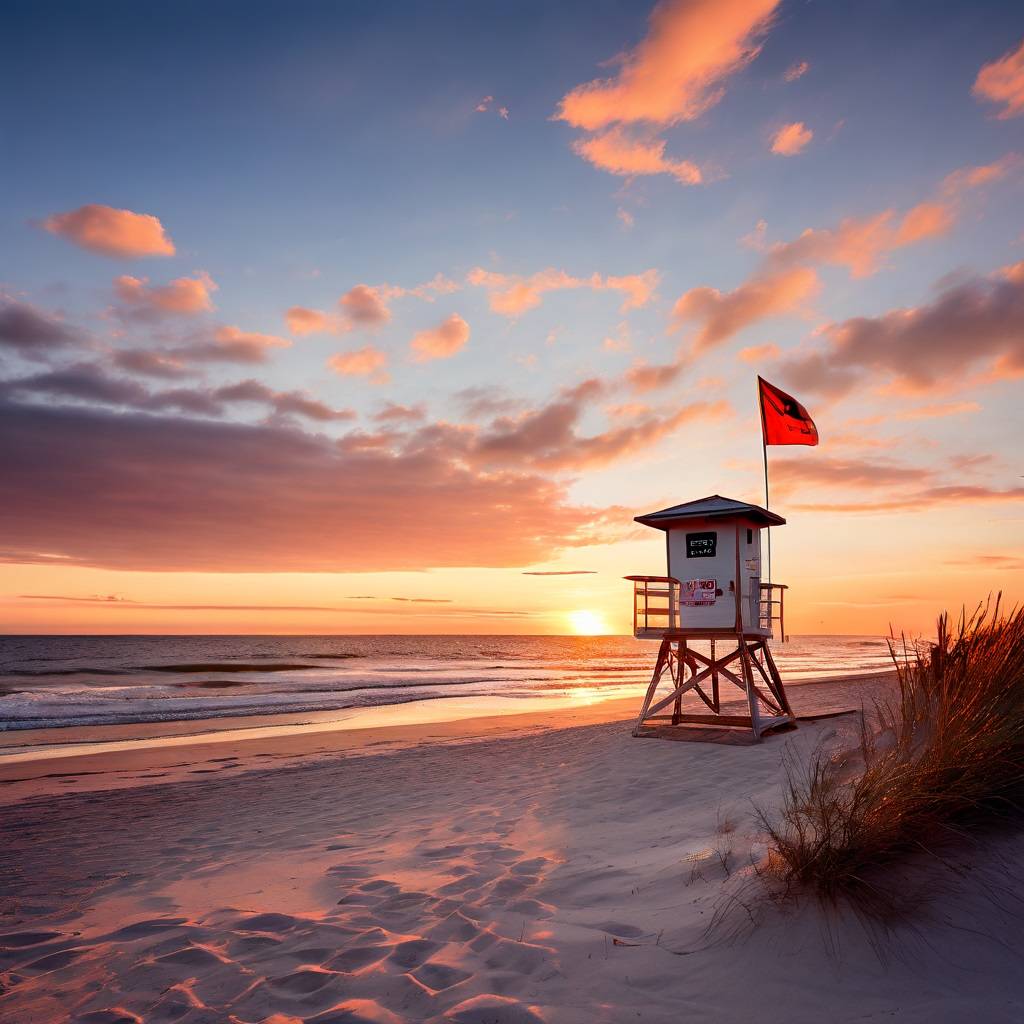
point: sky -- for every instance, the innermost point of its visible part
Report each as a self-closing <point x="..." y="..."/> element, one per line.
<point x="357" y="318"/>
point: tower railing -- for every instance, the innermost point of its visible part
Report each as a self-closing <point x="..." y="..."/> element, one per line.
<point x="655" y="605"/>
<point x="773" y="608"/>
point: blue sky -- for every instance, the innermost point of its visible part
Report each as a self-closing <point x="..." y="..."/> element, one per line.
<point x="295" y="151"/>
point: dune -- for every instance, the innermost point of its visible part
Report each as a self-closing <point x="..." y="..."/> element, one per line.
<point x="538" y="870"/>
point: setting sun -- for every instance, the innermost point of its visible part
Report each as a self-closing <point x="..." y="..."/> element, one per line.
<point x="584" y="622"/>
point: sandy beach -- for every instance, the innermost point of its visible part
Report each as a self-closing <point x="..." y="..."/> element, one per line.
<point x="537" y="867"/>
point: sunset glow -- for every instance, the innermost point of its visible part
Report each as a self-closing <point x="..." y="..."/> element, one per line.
<point x="584" y="622"/>
<point x="392" y="334"/>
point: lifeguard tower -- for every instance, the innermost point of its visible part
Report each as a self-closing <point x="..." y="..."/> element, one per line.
<point x="713" y="592"/>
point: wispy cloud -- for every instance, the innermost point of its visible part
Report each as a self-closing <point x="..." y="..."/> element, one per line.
<point x="562" y="572"/>
<point x="1002" y="82"/>
<point x="512" y="295"/>
<point x="795" y="71"/>
<point x="674" y="74"/>
<point x="791" y="139"/>
<point x="720" y="315"/>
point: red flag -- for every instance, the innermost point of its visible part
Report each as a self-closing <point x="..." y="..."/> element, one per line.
<point x="783" y="419"/>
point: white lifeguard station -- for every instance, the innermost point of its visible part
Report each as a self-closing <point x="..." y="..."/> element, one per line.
<point x="713" y="592"/>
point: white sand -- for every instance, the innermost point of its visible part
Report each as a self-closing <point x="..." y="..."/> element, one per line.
<point x="560" y="875"/>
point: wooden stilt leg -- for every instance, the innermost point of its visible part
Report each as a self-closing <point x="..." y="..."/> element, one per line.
<point x="681" y="659"/>
<point x="663" y="654"/>
<point x="780" y="690"/>
<point x="716" y="704"/>
<point x="748" y="678"/>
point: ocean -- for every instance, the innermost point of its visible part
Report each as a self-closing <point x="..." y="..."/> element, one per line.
<point x="56" y="681"/>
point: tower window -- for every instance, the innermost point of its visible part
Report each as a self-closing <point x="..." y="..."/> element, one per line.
<point x="750" y="536"/>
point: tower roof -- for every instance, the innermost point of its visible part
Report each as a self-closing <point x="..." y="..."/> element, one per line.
<point x="712" y="507"/>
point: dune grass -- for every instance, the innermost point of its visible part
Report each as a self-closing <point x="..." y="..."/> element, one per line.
<point x="941" y="760"/>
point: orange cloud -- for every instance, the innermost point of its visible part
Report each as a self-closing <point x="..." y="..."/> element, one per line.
<point x="438" y="284"/>
<point x="855" y="244"/>
<point x="1002" y="82"/>
<point x="511" y="295"/>
<point x="759" y="353"/>
<point x="829" y="471"/>
<point x="232" y="344"/>
<point x="791" y="139"/>
<point x="546" y="437"/>
<point x="643" y="377"/>
<point x="620" y="341"/>
<point x="618" y="153"/>
<point x="978" y="322"/>
<point x="365" y="306"/>
<point x="985" y="174"/>
<point x="859" y="243"/>
<point x="111" y="232"/>
<point x="281" y="496"/>
<point x="184" y="295"/>
<point x="674" y="74"/>
<point x="926" y="220"/>
<point x="441" y="342"/>
<point x="302" y="321"/>
<point x="723" y="314"/>
<point x="361" y="363"/>
<point x="931" y="497"/>
<point x="795" y="71"/>
<point x="940" y="410"/>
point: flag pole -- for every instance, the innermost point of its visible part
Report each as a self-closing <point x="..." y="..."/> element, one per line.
<point x="764" y="456"/>
<point x="764" y="453"/>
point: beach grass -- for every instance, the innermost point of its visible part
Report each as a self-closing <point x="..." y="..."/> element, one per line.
<point x="940" y="761"/>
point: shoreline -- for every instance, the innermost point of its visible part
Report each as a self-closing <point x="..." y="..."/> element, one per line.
<point x="109" y="757"/>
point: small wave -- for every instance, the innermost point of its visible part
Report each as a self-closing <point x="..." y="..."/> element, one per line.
<point x="216" y="666"/>
<point x="218" y="684"/>
<point x="32" y="673"/>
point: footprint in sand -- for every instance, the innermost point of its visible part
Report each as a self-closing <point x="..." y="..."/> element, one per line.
<point x="113" y="1015"/>
<point x="379" y="885"/>
<point x="252" y="945"/>
<point x="143" y="929"/>
<point x="532" y="866"/>
<point x="512" y="886"/>
<point x="439" y="977"/>
<point x="491" y="1009"/>
<point x="55" y="961"/>
<point x="352" y="960"/>
<point x="301" y="983"/>
<point x="456" y="927"/>
<point x="413" y="952"/>
<point x="532" y="908"/>
<point x="463" y="884"/>
<point x="268" y="923"/>
<point x="357" y="1011"/>
<point x="16" y="940"/>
